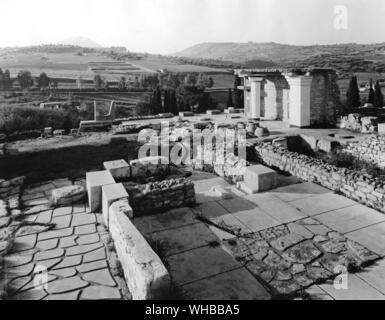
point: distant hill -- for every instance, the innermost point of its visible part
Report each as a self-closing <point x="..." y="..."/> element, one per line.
<point x="80" y="42"/>
<point x="275" y="52"/>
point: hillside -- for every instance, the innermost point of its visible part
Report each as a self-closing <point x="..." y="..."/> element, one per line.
<point x="276" y="52"/>
<point x="80" y="42"/>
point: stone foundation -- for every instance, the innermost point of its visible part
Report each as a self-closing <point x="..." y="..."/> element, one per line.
<point x="363" y="188"/>
<point x="160" y="196"/>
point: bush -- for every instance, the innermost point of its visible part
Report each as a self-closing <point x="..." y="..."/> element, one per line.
<point x="20" y="119"/>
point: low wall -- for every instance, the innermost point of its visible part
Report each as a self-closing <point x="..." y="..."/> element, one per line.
<point x="371" y="150"/>
<point x="145" y="274"/>
<point x="159" y="196"/>
<point x="364" y="188"/>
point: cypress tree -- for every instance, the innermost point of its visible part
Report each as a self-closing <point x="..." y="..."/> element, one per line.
<point x="378" y="100"/>
<point x="353" y="100"/>
<point x="166" y="101"/>
<point x="371" y="93"/>
<point x="230" y="100"/>
<point x="238" y="99"/>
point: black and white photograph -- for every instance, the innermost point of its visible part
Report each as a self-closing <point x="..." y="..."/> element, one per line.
<point x="192" y="150"/>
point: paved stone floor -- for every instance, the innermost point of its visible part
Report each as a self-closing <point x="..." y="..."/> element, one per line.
<point x="64" y="253"/>
<point x="297" y="234"/>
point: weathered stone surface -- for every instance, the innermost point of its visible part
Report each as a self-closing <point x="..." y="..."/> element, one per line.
<point x="68" y="195"/>
<point x="298" y="268"/>
<point x="62" y="211"/>
<point x="275" y="261"/>
<point x="82" y="219"/>
<point x="92" y="266"/>
<point x="47" y="244"/>
<point x="286" y="241"/>
<point x="102" y="277"/>
<point x="333" y="246"/>
<point x="302" y="253"/>
<point x="86" y="229"/>
<point x="88" y="239"/>
<point x="99" y="254"/>
<point x="49" y="254"/>
<point x="81" y="249"/>
<point x="145" y="274"/>
<point x="64" y="273"/>
<point x="64" y="296"/>
<point x="69" y="262"/>
<point x="100" y="293"/>
<point x="66" y="285"/>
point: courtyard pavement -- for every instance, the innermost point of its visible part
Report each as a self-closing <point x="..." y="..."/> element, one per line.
<point x="202" y="269"/>
<point x="66" y="254"/>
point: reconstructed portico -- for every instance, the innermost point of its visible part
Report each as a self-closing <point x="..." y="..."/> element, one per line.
<point x="291" y="96"/>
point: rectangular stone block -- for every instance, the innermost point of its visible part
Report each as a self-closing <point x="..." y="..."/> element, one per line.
<point x="260" y="178"/>
<point x="146" y="276"/>
<point x="213" y="111"/>
<point x="381" y="128"/>
<point x="119" y="169"/>
<point x="111" y="193"/>
<point x="148" y="166"/>
<point x="94" y="182"/>
<point x="186" y="114"/>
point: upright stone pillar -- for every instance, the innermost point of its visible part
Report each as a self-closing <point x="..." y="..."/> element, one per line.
<point x="299" y="108"/>
<point x="255" y="97"/>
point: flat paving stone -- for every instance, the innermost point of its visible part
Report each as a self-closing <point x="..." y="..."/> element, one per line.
<point x="47" y="264"/>
<point x="17" y="284"/>
<point x="24" y="243"/>
<point x="210" y="210"/>
<point x="236" y="204"/>
<point x="351" y="218"/>
<point x="74" y="295"/>
<point x="99" y="254"/>
<point x="62" y="221"/>
<point x="374" y="275"/>
<point x="55" y="234"/>
<point x="357" y="289"/>
<point x="83" y="218"/>
<point x="102" y="277"/>
<point x="49" y="254"/>
<point x="64" y="273"/>
<point x="67" y="285"/>
<point x="100" y="293"/>
<point x="168" y="220"/>
<point x="184" y="238"/>
<point x="316" y="293"/>
<point x="322" y="203"/>
<point x="88" y="239"/>
<point x="298" y="191"/>
<point x="237" y="284"/>
<point x="69" y="262"/>
<point x="372" y="237"/>
<point x="33" y="294"/>
<point x="230" y="222"/>
<point x="256" y="219"/>
<point x="15" y="260"/>
<point x="67" y="242"/>
<point x="86" y="229"/>
<point x="35" y="202"/>
<point x="200" y="263"/>
<point x="20" y="271"/>
<point x="62" y="211"/>
<point x="47" y="244"/>
<point x="276" y="208"/>
<point x="81" y="249"/>
<point x="44" y="216"/>
<point x="92" y="266"/>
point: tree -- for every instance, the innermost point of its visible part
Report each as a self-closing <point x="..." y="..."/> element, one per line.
<point x="1" y="80"/>
<point x="238" y="94"/>
<point x="173" y="103"/>
<point x="378" y="100"/>
<point x="98" y="82"/>
<point x="230" y="100"/>
<point x="122" y="84"/>
<point x="352" y="96"/>
<point x="210" y="83"/>
<point x="156" y="101"/>
<point x="371" y="93"/>
<point x="43" y="81"/>
<point x="25" y="79"/>
<point x="190" y="80"/>
<point x="166" y="101"/>
<point x="7" y="79"/>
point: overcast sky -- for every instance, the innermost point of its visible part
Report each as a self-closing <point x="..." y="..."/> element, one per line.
<point x="167" y="26"/>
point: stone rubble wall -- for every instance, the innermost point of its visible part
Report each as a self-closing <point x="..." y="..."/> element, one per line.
<point x="228" y="166"/>
<point x="371" y="150"/>
<point x="145" y="274"/>
<point x="159" y="196"/>
<point x="363" y="188"/>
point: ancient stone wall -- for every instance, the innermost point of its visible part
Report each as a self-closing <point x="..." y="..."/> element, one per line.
<point x="325" y="102"/>
<point x="364" y="188"/>
<point x="372" y="150"/>
<point x="159" y="196"/>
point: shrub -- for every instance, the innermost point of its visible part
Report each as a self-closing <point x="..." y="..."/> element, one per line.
<point x="14" y="119"/>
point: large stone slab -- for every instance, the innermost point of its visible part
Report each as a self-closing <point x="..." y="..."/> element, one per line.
<point x="68" y="195"/>
<point x="260" y="178"/>
<point x="95" y="181"/>
<point x="119" y="169"/>
<point x="111" y="193"/>
<point x="145" y="274"/>
<point x="372" y="237"/>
